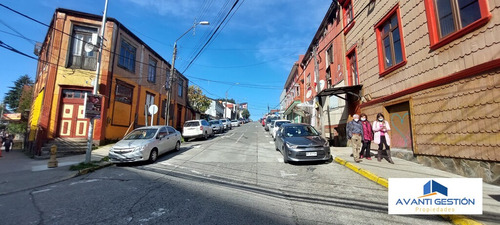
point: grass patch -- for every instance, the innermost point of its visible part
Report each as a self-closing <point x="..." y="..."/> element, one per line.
<point x="82" y="166"/>
<point x="105" y="159"/>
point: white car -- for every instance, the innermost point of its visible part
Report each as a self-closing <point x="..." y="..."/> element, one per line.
<point x="235" y="123"/>
<point x="145" y="143"/>
<point x="275" y="125"/>
<point x="197" y="129"/>
<point x="227" y="124"/>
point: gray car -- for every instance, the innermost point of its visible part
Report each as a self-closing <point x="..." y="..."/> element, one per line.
<point x="217" y="126"/>
<point x="145" y="144"/>
<point x="301" y="142"/>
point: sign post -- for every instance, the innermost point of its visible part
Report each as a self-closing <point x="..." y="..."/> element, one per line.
<point x="153" y="109"/>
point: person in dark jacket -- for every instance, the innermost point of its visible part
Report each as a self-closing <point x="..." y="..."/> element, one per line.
<point x="354" y="131"/>
<point x="367" y="137"/>
<point x="8" y="143"/>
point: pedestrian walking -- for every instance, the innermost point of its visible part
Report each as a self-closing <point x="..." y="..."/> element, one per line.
<point x="382" y="138"/>
<point x="355" y="134"/>
<point x="367" y="137"/>
<point x="8" y="143"/>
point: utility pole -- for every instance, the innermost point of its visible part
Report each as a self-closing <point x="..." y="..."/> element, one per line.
<point x="172" y="68"/>
<point x="170" y="81"/>
<point x="96" y="84"/>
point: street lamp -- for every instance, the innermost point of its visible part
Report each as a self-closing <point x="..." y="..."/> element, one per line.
<point x="226" y="98"/>
<point x="172" y="69"/>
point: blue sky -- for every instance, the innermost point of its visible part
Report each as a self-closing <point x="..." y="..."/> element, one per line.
<point x="256" y="48"/>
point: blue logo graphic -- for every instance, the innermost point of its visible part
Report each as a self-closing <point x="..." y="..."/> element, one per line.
<point x="432" y="188"/>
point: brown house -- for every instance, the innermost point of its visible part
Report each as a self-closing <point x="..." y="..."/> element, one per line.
<point x="433" y="71"/>
<point x="132" y="77"/>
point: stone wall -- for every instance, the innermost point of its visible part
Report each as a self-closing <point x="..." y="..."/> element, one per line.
<point x="489" y="171"/>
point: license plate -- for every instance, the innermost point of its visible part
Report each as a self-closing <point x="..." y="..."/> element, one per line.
<point x="311" y="154"/>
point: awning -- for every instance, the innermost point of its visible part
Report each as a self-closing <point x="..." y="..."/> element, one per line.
<point x="352" y="90"/>
<point x="290" y="108"/>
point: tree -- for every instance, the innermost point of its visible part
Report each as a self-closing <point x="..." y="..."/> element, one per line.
<point x="13" y="96"/>
<point x="245" y="113"/>
<point x="230" y="100"/>
<point x="197" y="99"/>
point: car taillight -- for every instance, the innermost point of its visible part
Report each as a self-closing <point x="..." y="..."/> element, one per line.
<point x="201" y="127"/>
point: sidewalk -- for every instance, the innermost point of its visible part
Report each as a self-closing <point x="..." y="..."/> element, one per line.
<point x="18" y="172"/>
<point x="379" y="172"/>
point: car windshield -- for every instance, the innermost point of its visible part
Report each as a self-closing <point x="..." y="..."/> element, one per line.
<point x="214" y="122"/>
<point x="300" y="131"/>
<point x="279" y="123"/>
<point x="192" y="124"/>
<point x="234" y="120"/>
<point x="141" y="134"/>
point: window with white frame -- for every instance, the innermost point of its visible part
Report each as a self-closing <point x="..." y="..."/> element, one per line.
<point x="79" y="58"/>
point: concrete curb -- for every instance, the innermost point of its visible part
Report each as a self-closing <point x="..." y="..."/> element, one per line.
<point x="455" y="219"/>
<point x="92" y="169"/>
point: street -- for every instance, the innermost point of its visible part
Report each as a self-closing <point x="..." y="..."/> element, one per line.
<point x="233" y="178"/>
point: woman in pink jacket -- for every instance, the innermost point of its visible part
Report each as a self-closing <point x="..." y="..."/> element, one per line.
<point x="381" y="137"/>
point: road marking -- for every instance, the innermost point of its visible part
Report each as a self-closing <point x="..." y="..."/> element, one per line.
<point x="197" y="146"/>
<point x="196" y="172"/>
<point x="280" y="160"/>
<point x="40" y="191"/>
<point x="284" y="174"/>
<point x="271" y="142"/>
<point x="84" y="181"/>
<point x="239" y="137"/>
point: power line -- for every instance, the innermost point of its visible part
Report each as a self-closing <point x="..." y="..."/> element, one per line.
<point x="208" y="41"/>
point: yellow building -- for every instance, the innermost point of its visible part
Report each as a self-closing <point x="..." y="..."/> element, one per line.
<point x="132" y="77"/>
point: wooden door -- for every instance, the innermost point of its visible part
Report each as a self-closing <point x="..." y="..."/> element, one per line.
<point x="73" y="123"/>
<point x="399" y="119"/>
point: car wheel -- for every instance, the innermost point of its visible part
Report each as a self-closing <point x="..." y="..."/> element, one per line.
<point x="178" y="146"/>
<point x="205" y="135"/>
<point x="285" y="158"/>
<point x="153" y="156"/>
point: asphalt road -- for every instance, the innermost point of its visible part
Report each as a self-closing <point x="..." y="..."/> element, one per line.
<point x="234" y="178"/>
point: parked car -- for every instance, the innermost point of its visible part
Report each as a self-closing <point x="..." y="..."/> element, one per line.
<point x="227" y="124"/>
<point x="235" y="123"/>
<point x="275" y="126"/>
<point x="145" y="143"/>
<point x="196" y="129"/>
<point x="301" y="142"/>
<point x="217" y="126"/>
<point x="269" y="119"/>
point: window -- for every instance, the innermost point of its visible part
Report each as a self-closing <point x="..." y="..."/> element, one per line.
<point x="171" y="130"/>
<point x="150" y="100"/>
<point x="67" y="93"/>
<point x="163" y="108"/>
<point x="329" y="56"/>
<point x="123" y="93"/>
<point x="308" y="81"/>
<point x="180" y="87"/>
<point x="450" y="19"/>
<point x="79" y="58"/>
<point x="348" y="15"/>
<point x="152" y="70"/>
<point x="127" y="56"/>
<point x="390" y="44"/>
<point x="352" y="69"/>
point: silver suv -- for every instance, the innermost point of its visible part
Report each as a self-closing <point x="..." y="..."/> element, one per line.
<point x="196" y="129"/>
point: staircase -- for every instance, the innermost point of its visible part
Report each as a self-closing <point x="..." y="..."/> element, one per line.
<point x="65" y="147"/>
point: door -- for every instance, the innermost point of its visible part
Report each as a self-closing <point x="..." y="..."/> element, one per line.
<point x="399" y="119"/>
<point x="73" y="123"/>
<point x="164" y="142"/>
